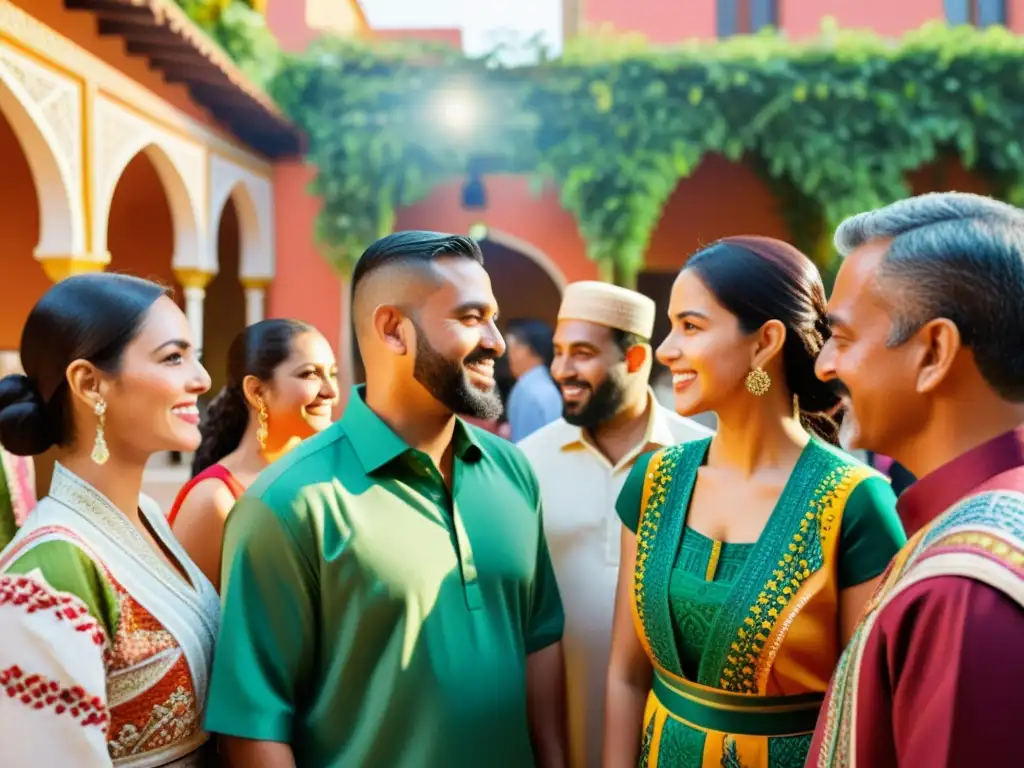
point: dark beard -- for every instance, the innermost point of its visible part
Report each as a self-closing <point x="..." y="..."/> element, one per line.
<point x="604" y="403"/>
<point x="447" y="381"/>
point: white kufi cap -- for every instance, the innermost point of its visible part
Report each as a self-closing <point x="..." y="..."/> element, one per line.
<point x="606" y="304"/>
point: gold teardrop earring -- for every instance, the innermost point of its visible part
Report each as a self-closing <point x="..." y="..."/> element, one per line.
<point x="758" y="382"/>
<point x="796" y="408"/>
<point x="100" y="452"/>
<point x="264" y="431"/>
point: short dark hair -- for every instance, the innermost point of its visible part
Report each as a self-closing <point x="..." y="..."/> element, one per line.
<point x="84" y="317"/>
<point x="626" y="340"/>
<point x="535" y="334"/>
<point x="758" y="279"/>
<point x="256" y="351"/>
<point x="957" y="256"/>
<point x="413" y="246"/>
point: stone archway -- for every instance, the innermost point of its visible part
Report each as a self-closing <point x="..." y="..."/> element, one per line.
<point x="187" y="242"/>
<point x="25" y="201"/>
<point x="224" y="312"/>
<point x="484" y="234"/>
<point x="141" y="229"/>
<point x="60" y="227"/>
<point x="251" y="231"/>
<point x="526" y="281"/>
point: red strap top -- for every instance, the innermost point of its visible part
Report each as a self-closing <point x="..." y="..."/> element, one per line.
<point x="218" y="471"/>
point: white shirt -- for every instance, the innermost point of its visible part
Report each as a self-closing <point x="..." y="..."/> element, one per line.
<point x="579" y="487"/>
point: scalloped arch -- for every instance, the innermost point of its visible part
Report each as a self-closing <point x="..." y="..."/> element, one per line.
<point x="62" y="220"/>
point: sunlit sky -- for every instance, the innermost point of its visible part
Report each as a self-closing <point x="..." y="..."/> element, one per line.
<point x="484" y="23"/>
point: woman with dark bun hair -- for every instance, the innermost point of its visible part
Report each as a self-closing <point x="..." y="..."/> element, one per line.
<point x="747" y="557"/>
<point x="282" y="388"/>
<point x="107" y="626"/>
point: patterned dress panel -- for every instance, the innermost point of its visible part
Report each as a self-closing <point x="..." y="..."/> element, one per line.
<point x="732" y="634"/>
<point x="150" y="693"/>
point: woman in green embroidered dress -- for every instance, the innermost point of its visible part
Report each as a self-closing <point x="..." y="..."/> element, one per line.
<point x="747" y="557"/>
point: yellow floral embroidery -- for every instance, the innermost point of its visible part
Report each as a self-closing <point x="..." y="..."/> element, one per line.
<point x="801" y="557"/>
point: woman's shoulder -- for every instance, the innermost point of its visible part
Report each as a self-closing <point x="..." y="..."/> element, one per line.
<point x="696" y="447"/>
<point x="51" y="566"/>
<point x="831" y="461"/>
<point x="659" y="465"/>
<point x="214" y="490"/>
<point x="203" y="497"/>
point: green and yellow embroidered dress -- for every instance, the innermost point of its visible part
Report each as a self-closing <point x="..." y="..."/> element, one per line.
<point x="743" y="638"/>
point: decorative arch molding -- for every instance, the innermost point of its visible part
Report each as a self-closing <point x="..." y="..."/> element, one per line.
<point x="181" y="166"/>
<point x="481" y="233"/>
<point x="254" y="200"/>
<point x="45" y="111"/>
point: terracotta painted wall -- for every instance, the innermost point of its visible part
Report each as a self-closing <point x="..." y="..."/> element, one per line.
<point x="720" y="198"/>
<point x="306" y="287"/>
<point x="297" y="23"/>
<point x="948" y="175"/>
<point x="1015" y="15"/>
<point x="448" y="36"/>
<point x="663" y="22"/>
<point x="513" y="209"/>
<point x="22" y="280"/>
<point x="802" y="18"/>
<point x="659" y="21"/>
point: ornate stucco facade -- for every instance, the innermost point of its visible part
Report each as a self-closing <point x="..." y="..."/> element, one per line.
<point x="80" y="121"/>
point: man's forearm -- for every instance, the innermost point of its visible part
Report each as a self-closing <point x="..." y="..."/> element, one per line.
<point x="246" y="753"/>
<point x="545" y="694"/>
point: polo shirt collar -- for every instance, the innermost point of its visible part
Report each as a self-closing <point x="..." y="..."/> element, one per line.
<point x="658" y="432"/>
<point x="376" y="444"/>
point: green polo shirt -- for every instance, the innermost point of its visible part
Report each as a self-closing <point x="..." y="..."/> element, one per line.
<point x="372" y="617"/>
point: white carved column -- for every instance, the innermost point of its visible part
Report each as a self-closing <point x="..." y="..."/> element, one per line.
<point x="255" y="298"/>
<point x="45" y="108"/>
<point x="193" y="283"/>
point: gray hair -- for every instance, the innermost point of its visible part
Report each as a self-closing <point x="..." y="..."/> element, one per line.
<point x="956" y="256"/>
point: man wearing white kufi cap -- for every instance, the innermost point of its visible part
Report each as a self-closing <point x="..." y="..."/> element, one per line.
<point x="610" y="416"/>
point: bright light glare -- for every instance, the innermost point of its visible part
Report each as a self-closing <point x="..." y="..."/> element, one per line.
<point x="458" y="110"/>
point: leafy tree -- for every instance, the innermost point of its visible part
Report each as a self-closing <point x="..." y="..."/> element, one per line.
<point x="834" y="124"/>
<point x="240" y="28"/>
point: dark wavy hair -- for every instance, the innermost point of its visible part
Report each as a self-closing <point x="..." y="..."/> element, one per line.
<point x="256" y="351"/>
<point x="760" y="279"/>
<point x="84" y="317"/>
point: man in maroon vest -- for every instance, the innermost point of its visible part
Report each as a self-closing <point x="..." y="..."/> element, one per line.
<point x="927" y="349"/>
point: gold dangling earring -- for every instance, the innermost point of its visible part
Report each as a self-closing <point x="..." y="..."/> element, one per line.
<point x="796" y="408"/>
<point x="100" y="452"/>
<point x="758" y="382"/>
<point x="264" y="431"/>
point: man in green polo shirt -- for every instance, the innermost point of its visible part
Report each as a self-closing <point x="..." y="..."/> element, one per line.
<point x="388" y="598"/>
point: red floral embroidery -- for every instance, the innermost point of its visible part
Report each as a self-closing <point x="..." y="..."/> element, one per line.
<point x="29" y="594"/>
<point x="39" y="692"/>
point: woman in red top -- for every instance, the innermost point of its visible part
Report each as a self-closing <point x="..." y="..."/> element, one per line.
<point x="282" y="388"/>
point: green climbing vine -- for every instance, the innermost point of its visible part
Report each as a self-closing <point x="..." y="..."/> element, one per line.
<point x="240" y="28"/>
<point x="834" y="124"/>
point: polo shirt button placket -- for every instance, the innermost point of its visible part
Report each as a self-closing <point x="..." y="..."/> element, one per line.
<point x="444" y="499"/>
